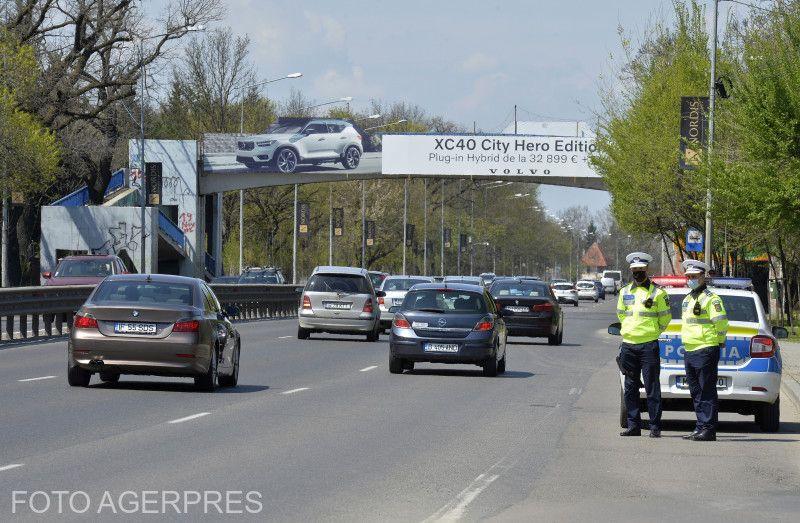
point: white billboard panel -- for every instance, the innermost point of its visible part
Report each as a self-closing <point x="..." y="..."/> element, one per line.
<point x="487" y="155"/>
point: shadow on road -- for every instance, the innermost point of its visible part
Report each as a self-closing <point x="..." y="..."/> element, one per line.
<point x="174" y="386"/>
<point x="734" y="430"/>
<point x="542" y="344"/>
<point x="468" y="373"/>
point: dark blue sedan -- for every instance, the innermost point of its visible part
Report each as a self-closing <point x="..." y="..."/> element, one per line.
<point x="448" y="323"/>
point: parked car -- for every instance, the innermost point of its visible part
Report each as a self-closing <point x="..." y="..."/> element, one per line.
<point x="529" y="308"/>
<point x="288" y="145"/>
<point x="395" y="289"/>
<point x="565" y="292"/>
<point x="88" y="269"/>
<point x="226" y="279"/>
<point x="339" y="300"/>
<point x="601" y="291"/>
<point x="487" y="278"/>
<point x="377" y="277"/>
<point x="455" y="323"/>
<point x="587" y="290"/>
<point x="268" y="275"/>
<point x="154" y="324"/>
<point x="612" y="281"/>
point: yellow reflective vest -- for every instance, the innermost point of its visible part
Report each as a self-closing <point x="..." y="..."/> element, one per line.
<point x="640" y="323"/>
<point x="705" y="325"/>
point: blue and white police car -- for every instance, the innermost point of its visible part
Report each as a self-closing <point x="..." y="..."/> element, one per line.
<point x="749" y="376"/>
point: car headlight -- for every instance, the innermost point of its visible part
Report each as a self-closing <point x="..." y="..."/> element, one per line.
<point x="266" y="143"/>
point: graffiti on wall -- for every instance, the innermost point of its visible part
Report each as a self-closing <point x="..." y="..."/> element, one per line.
<point x="187" y="222"/>
<point x="120" y="238"/>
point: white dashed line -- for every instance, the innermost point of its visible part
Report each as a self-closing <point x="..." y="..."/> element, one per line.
<point x="292" y="391"/>
<point x="188" y="418"/>
<point x="365" y="369"/>
<point x="39" y="378"/>
<point x="9" y="467"/>
<point x="572" y="391"/>
<point x="284" y="337"/>
<point x="454" y="510"/>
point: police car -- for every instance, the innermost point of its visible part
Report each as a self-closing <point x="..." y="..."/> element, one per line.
<point x="749" y="376"/>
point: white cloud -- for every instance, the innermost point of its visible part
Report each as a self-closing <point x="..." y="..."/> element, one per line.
<point x="482" y="93"/>
<point x="334" y="84"/>
<point x="333" y="32"/>
<point x="478" y="62"/>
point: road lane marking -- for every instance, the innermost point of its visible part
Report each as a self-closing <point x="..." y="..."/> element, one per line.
<point x="38" y="379"/>
<point x="9" y="467"/>
<point x="284" y="337"/>
<point x="454" y="510"/>
<point x="292" y="391"/>
<point x="365" y="369"/>
<point x="188" y="418"/>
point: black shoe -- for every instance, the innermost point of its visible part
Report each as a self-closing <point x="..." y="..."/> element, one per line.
<point x="655" y="433"/>
<point x="706" y="435"/>
<point x="692" y="435"/>
<point x="631" y="432"/>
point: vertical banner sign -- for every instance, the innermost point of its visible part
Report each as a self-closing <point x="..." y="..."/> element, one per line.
<point x="694" y="111"/>
<point x="410" y="234"/>
<point x="152" y="172"/>
<point x="370" y="233"/>
<point x="303" y="219"/>
<point x="338" y="221"/>
<point x="694" y="241"/>
<point x="447" y="234"/>
<point x="462" y="242"/>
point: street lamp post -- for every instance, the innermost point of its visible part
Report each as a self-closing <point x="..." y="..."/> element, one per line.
<point x="425" y="227"/>
<point x="405" y="223"/>
<point x="711" y="100"/>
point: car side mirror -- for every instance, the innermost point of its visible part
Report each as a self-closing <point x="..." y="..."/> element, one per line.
<point x="780" y="332"/>
<point x="380" y="294"/>
<point x="615" y="328"/>
<point x="47" y="275"/>
<point x="231" y="311"/>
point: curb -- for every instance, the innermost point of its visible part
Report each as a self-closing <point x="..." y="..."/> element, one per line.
<point x="792" y="386"/>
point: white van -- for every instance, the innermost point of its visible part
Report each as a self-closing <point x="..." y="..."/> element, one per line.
<point x="612" y="281"/>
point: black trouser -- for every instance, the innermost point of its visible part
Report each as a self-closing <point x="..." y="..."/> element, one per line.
<point x="701" y="375"/>
<point x="646" y="360"/>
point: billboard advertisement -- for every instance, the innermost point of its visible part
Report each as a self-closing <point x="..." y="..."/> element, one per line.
<point x="693" y="130"/>
<point x="487" y="155"/>
<point x="287" y="146"/>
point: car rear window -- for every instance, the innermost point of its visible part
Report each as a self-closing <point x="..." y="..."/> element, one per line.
<point x="585" y="285"/>
<point x="401" y="284"/>
<point x="511" y="288"/>
<point x="347" y="283"/>
<point x="258" y="278"/>
<point x="737" y="308"/>
<point x="563" y="286"/>
<point x="445" y="301"/>
<point x="140" y="292"/>
<point x="84" y="268"/>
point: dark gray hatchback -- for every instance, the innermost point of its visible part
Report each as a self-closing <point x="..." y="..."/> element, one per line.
<point x="448" y="323"/>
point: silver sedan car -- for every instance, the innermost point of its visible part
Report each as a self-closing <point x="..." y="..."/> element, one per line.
<point x="154" y="324"/>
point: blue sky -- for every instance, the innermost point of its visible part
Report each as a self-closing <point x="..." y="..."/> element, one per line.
<point x="463" y="59"/>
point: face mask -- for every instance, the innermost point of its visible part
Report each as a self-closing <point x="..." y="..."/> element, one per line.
<point x="639" y="276"/>
<point x="693" y="284"/>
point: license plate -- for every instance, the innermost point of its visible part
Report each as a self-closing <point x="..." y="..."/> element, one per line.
<point x="681" y="383"/>
<point x="337" y="305"/>
<point x="398" y="301"/>
<point x="440" y="347"/>
<point x="514" y="308"/>
<point x="135" y="328"/>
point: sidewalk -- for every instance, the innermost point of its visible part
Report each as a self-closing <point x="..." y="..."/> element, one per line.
<point x="790" y="353"/>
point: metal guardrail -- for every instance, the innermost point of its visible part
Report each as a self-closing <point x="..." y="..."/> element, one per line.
<point x="171" y="230"/>
<point x="80" y="197"/>
<point x="43" y="312"/>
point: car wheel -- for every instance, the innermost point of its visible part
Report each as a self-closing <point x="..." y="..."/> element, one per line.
<point x="769" y="417"/>
<point x="109" y="377"/>
<point x="352" y="157"/>
<point x="233" y="379"/>
<point x="576" y="303"/>
<point x="78" y="377"/>
<point x="555" y="339"/>
<point x="623" y="412"/>
<point x="395" y="365"/>
<point x="209" y="380"/>
<point x="286" y="160"/>
<point x="303" y="334"/>
<point x="596" y="300"/>
<point x="490" y="367"/>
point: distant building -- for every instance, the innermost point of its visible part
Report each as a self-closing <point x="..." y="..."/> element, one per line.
<point x="594" y="259"/>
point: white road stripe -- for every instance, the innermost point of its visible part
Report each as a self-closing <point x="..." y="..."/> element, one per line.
<point x="284" y="337"/>
<point x="193" y="416"/>
<point x="39" y="378"/>
<point x="572" y="391"/>
<point x="292" y="391"/>
<point x="9" y="467"/>
<point x="365" y="369"/>
<point x="454" y="510"/>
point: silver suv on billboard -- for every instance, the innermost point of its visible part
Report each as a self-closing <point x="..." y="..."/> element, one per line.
<point x="285" y="146"/>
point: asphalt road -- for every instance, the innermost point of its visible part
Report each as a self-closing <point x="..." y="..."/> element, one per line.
<point x="322" y="431"/>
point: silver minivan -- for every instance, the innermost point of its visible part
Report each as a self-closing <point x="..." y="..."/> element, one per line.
<point x="339" y="300"/>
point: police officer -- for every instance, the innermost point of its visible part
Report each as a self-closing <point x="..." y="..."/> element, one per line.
<point x="643" y="310"/>
<point x="703" y="329"/>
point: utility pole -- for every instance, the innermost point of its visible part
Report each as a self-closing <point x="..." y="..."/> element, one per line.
<point x="330" y="224"/>
<point x="425" y="227"/>
<point x="241" y="230"/>
<point x="442" y="245"/>
<point x="294" y="239"/>
<point x="515" y="118"/>
<point x="363" y="226"/>
<point x="711" y="101"/>
<point x="405" y="223"/>
<point x="142" y="177"/>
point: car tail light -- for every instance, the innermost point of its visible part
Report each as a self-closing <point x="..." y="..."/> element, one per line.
<point x="543" y="307"/>
<point x="84" y="322"/>
<point x="400" y="322"/>
<point x="186" y="326"/>
<point x="762" y="347"/>
<point x="486" y="324"/>
<point x="367" y="306"/>
<point x="381" y="301"/>
<point x="306" y="302"/>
